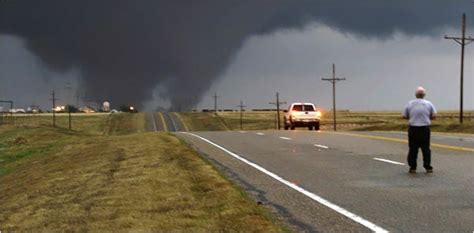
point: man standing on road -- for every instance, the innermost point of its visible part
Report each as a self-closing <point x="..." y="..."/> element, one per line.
<point x="419" y="113"/>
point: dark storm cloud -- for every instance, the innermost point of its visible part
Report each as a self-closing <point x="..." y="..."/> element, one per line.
<point x="126" y="48"/>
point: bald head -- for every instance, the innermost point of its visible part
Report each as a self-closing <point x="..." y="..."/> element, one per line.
<point x="420" y="93"/>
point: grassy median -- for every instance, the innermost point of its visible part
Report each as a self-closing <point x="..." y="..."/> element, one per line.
<point x="111" y="176"/>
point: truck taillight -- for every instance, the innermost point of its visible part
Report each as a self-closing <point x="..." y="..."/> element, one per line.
<point x="318" y="114"/>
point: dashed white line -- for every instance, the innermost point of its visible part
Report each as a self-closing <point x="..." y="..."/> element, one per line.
<point x="261" y="134"/>
<point x="321" y="146"/>
<point x="389" y="161"/>
<point x="242" y="131"/>
<point x="285" y="138"/>
<point x="313" y="196"/>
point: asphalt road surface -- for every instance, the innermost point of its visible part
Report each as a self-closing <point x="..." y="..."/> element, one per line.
<point x="348" y="181"/>
<point x="165" y="121"/>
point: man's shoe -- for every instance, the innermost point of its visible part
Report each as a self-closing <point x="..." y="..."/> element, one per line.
<point x="412" y="171"/>
<point x="429" y="170"/>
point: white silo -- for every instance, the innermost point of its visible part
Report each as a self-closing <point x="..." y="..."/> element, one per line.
<point x="106" y="106"/>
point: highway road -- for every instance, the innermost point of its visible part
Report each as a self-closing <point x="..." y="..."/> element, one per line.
<point x="165" y="122"/>
<point x="348" y="181"/>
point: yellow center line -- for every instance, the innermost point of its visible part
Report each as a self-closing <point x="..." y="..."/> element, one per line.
<point x="163" y="122"/>
<point x="182" y="122"/>
<point x="458" y="148"/>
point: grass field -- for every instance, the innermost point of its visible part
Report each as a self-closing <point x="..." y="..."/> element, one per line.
<point x="346" y="120"/>
<point x="448" y="121"/>
<point x="197" y="121"/>
<point x="108" y="175"/>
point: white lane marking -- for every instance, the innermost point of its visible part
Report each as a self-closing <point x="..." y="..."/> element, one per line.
<point x="321" y="146"/>
<point x="242" y="131"/>
<point x="313" y="196"/>
<point x="285" y="138"/>
<point x="389" y="161"/>
<point x="261" y="134"/>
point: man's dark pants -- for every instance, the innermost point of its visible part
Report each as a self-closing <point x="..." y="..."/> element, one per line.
<point x="419" y="137"/>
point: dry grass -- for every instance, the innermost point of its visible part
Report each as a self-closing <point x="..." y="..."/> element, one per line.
<point x="98" y="123"/>
<point x="83" y="181"/>
<point x="197" y="121"/>
<point x="125" y="123"/>
<point x="86" y="123"/>
<point x="446" y="122"/>
<point x="35" y="142"/>
<point x="250" y="120"/>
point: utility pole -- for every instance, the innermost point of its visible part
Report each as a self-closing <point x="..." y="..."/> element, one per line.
<point x="333" y="80"/>
<point x="277" y="104"/>
<point x="53" y="94"/>
<point x="241" y="106"/>
<point x="69" y="88"/>
<point x="215" y="103"/>
<point x="463" y="41"/>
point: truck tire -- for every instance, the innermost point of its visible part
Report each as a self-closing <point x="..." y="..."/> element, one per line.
<point x="292" y="127"/>
<point x="286" y="127"/>
<point x="310" y="127"/>
<point x="316" y="126"/>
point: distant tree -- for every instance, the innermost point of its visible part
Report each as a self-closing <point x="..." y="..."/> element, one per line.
<point x="72" y="108"/>
<point x="128" y="108"/>
<point x="123" y="108"/>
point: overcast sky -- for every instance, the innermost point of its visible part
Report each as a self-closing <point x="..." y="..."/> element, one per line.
<point x="382" y="74"/>
<point x="164" y="53"/>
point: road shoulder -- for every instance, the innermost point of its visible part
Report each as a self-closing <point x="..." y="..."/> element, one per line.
<point x="298" y="211"/>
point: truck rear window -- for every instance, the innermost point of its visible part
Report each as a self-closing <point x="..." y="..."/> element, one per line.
<point x="305" y="108"/>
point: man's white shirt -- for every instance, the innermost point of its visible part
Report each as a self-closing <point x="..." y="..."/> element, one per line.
<point x="419" y="112"/>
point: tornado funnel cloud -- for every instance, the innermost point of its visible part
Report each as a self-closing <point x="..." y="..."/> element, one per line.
<point x="125" y="49"/>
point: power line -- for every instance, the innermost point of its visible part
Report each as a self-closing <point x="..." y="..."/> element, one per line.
<point x="463" y="41"/>
<point x="277" y="104"/>
<point x="333" y="80"/>
<point x="241" y="106"/>
<point x="9" y="102"/>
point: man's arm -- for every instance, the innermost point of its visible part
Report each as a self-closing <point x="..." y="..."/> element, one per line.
<point x="405" y="114"/>
<point x="433" y="114"/>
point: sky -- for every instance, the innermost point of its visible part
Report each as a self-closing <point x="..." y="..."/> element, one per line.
<point x="176" y="54"/>
<point x="380" y="74"/>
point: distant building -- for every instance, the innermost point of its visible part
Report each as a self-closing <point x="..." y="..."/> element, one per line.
<point x="17" y="110"/>
<point x="33" y="109"/>
<point x="87" y="109"/>
<point x="59" y="109"/>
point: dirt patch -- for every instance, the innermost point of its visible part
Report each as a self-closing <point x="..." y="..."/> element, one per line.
<point x="20" y="141"/>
